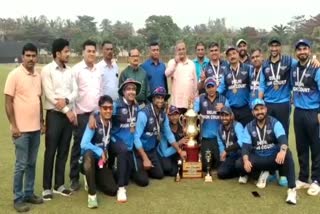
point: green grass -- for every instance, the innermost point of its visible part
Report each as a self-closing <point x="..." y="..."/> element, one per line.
<point x="165" y="196"/>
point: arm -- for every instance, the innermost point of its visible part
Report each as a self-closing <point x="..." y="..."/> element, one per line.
<point x="222" y="87"/>
<point x="86" y="143"/>
<point x="47" y="86"/>
<point x="195" y="81"/>
<point x="122" y="77"/>
<point x="280" y="134"/>
<point x="196" y="104"/>
<point x="140" y="125"/>
<point x="246" y="144"/>
<point x="10" y="111"/>
<point x="165" y="149"/>
<point x="262" y="85"/>
<point x="171" y="68"/>
<point x="220" y="144"/>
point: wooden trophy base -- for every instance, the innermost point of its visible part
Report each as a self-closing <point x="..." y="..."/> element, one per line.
<point x="192" y="170"/>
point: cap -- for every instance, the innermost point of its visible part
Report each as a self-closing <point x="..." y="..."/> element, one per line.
<point x="257" y="102"/>
<point x="226" y="110"/>
<point x="128" y="81"/>
<point x="274" y="40"/>
<point x="302" y="42"/>
<point x="159" y="91"/>
<point x="209" y="81"/>
<point x="241" y="41"/>
<point x="172" y="110"/>
<point x="230" y="48"/>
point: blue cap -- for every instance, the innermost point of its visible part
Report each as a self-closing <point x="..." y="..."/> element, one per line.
<point x="172" y="110"/>
<point x="302" y="42"/>
<point x="257" y="102"/>
<point x="230" y="48"/>
<point x="226" y="110"/>
<point x="159" y="91"/>
<point x="209" y="81"/>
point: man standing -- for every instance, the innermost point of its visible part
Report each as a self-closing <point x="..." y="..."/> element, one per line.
<point x="201" y="61"/>
<point x="242" y="46"/>
<point x="256" y="60"/>
<point x="155" y="68"/>
<point x="209" y="105"/>
<point x="24" y="111"/>
<point x="236" y="86"/>
<point x="60" y="91"/>
<point x="265" y="148"/>
<point x="94" y="151"/>
<point x="134" y="71"/>
<point x="152" y="124"/>
<point x="89" y="81"/>
<point x="306" y="97"/>
<point x="110" y="71"/>
<point x="184" y="80"/>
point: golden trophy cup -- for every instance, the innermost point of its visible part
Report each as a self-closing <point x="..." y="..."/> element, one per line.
<point x="208" y="177"/>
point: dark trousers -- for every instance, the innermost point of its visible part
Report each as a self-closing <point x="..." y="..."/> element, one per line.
<point x="210" y="144"/>
<point x="57" y="143"/>
<point x="75" y="151"/>
<point x="280" y="111"/>
<point x="227" y="168"/>
<point x="125" y="165"/>
<point x="243" y="114"/>
<point x="156" y="171"/>
<point x="268" y="163"/>
<point x="306" y="128"/>
<point x="170" y="165"/>
<point x="96" y="177"/>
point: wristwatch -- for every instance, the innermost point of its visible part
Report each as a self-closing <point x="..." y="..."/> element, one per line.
<point x="284" y="148"/>
<point x="67" y="101"/>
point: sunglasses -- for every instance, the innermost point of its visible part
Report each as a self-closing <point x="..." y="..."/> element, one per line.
<point x="105" y="108"/>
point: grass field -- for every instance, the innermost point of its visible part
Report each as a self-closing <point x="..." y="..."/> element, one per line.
<point x="165" y="196"/>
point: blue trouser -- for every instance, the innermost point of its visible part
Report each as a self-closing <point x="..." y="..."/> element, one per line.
<point x="227" y="168"/>
<point x="170" y="164"/>
<point x="26" y="150"/>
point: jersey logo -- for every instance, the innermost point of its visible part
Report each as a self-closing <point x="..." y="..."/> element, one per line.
<point x="284" y="67"/>
<point x="254" y="134"/>
<point x="243" y="72"/>
<point x="229" y="75"/>
<point x="268" y="70"/>
<point x="151" y="120"/>
<point x="294" y="74"/>
<point x="269" y="131"/>
<point x="124" y="111"/>
<point x="100" y="131"/>
<point x="205" y="104"/>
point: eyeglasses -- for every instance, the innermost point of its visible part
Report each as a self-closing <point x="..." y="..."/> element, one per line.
<point x="105" y="108"/>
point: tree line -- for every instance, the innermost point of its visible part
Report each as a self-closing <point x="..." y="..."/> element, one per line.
<point x="162" y="29"/>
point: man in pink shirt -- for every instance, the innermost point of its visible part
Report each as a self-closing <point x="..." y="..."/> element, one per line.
<point x="184" y="79"/>
<point x="89" y="79"/>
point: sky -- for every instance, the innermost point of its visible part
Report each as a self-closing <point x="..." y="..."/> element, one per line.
<point x="259" y="14"/>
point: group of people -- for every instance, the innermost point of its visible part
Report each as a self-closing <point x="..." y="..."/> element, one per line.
<point x="123" y="128"/>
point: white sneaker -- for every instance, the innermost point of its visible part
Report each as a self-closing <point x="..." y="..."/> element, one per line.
<point x="262" y="181"/>
<point x="314" y="189"/>
<point x="243" y="179"/>
<point x="122" y="195"/>
<point x="302" y="185"/>
<point x="292" y="196"/>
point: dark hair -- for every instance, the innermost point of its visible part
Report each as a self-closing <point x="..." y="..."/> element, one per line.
<point x="200" y="44"/>
<point x="106" y="42"/>
<point x="133" y="50"/>
<point x="58" y="45"/>
<point x="105" y="99"/>
<point x="89" y="43"/>
<point x="256" y="49"/>
<point x="29" y="47"/>
<point x="153" y="44"/>
<point x="214" y="44"/>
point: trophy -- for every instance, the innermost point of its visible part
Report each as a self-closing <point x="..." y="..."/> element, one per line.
<point x="177" y="178"/>
<point x="208" y="177"/>
<point x="191" y="167"/>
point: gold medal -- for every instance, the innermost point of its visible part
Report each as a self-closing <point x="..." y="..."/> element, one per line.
<point x="276" y="87"/>
<point x="132" y="127"/>
<point x="235" y="90"/>
<point x="253" y="94"/>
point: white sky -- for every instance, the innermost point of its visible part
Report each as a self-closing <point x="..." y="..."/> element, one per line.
<point x="260" y="14"/>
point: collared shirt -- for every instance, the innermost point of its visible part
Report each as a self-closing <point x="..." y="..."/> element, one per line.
<point x="110" y="78"/>
<point x="89" y="87"/>
<point x="25" y="88"/>
<point x="199" y="66"/>
<point x="58" y="83"/>
<point x="156" y="74"/>
<point x="184" y="82"/>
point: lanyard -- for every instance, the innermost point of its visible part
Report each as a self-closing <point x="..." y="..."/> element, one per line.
<point x="256" y="77"/>
<point x="235" y="76"/>
<point x="131" y="111"/>
<point x="264" y="133"/>
<point x="227" y="138"/>
<point x="303" y="73"/>
<point x="216" y="71"/>
<point x="157" y="119"/>
<point x="275" y="76"/>
<point x="105" y="138"/>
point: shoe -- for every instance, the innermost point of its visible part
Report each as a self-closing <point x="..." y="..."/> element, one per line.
<point x="62" y="191"/>
<point x="302" y="185"/>
<point x="314" y="189"/>
<point x="33" y="200"/>
<point x="283" y="181"/>
<point x="122" y="195"/>
<point x="92" y="201"/>
<point x="21" y="207"/>
<point x="262" y="180"/>
<point x="75" y="186"/>
<point x="47" y="195"/>
<point x="243" y="179"/>
<point x="292" y="196"/>
<point x="271" y="178"/>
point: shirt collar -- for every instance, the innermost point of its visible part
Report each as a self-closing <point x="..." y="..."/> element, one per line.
<point x="84" y="66"/>
<point x="106" y="65"/>
<point x="27" y="72"/>
<point x="205" y="60"/>
<point x="57" y="67"/>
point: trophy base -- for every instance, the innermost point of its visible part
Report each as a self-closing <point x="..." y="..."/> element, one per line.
<point x="192" y="170"/>
<point x="208" y="178"/>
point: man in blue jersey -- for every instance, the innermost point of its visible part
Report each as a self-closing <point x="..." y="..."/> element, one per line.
<point x="305" y="80"/>
<point x="94" y="153"/>
<point x="168" y="154"/>
<point x="256" y="61"/>
<point x="208" y="105"/>
<point x="265" y="148"/>
<point x="152" y="125"/>
<point x="235" y="85"/>
<point x="155" y="68"/>
<point x="230" y="139"/>
<point x="242" y="46"/>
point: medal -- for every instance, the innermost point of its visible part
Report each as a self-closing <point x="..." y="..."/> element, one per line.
<point x="276" y="87"/>
<point x="132" y="127"/>
<point x="132" y="123"/>
<point x="234" y="90"/>
<point x="300" y="79"/>
<point x="276" y="76"/>
<point x="253" y="94"/>
<point x="157" y="123"/>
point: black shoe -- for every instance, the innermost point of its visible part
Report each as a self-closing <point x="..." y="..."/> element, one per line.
<point x="33" y="200"/>
<point x="21" y="207"/>
<point x="75" y="186"/>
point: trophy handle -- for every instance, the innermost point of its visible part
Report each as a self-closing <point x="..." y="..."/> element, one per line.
<point x="181" y="120"/>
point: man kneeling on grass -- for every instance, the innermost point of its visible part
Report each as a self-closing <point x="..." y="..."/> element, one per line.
<point x="94" y="150"/>
<point x="265" y="148"/>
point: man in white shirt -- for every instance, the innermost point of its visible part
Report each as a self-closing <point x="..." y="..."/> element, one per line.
<point x="60" y="91"/>
<point x="110" y="71"/>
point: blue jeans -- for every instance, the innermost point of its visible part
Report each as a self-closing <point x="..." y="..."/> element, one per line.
<point x="26" y="150"/>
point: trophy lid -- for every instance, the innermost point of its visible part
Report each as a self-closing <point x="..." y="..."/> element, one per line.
<point x="191" y="113"/>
